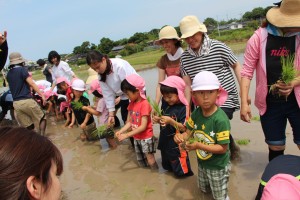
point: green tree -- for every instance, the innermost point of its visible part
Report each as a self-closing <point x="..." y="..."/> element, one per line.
<point x="105" y="45"/>
<point x="137" y="38"/>
<point x="210" y="22"/>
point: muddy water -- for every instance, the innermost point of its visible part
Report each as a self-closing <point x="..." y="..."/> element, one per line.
<point x="93" y="171"/>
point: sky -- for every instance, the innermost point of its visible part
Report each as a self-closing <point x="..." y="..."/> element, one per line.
<point x="35" y="27"/>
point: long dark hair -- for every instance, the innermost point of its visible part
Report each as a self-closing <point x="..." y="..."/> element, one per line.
<point x="53" y="54"/>
<point x="24" y="153"/>
<point x="96" y="56"/>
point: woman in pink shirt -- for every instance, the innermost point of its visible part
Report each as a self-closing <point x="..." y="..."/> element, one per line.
<point x="279" y="37"/>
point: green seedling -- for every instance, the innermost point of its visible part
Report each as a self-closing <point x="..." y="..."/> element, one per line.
<point x="155" y="107"/>
<point x="289" y="72"/>
<point x="243" y="141"/>
<point x="76" y="105"/>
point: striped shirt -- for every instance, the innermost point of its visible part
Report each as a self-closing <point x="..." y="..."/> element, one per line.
<point x="218" y="60"/>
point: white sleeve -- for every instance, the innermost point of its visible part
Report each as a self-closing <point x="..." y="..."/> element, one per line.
<point x="65" y="66"/>
<point x="109" y="96"/>
<point x="125" y="69"/>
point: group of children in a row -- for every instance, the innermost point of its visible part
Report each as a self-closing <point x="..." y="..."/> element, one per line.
<point x="206" y="130"/>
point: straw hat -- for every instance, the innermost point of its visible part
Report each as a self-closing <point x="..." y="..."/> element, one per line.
<point x="190" y="25"/>
<point x="15" y="58"/>
<point x="167" y="32"/>
<point x="92" y="76"/>
<point x="286" y="15"/>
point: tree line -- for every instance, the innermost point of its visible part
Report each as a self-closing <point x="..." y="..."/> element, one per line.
<point x="138" y="41"/>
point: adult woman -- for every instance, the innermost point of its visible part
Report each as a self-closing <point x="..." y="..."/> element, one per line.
<point x="279" y="37"/>
<point x="30" y="164"/>
<point x="27" y="110"/>
<point x="112" y="72"/>
<point x="168" y="64"/>
<point x="206" y="54"/>
<point x="47" y="71"/>
<point x="59" y="68"/>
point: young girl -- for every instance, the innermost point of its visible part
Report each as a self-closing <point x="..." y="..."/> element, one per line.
<point x="84" y="119"/>
<point x="100" y="110"/>
<point x="63" y="86"/>
<point x="175" y="111"/>
<point x="138" y="121"/>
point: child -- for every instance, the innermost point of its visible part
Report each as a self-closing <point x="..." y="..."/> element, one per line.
<point x="84" y="119"/>
<point x="51" y="98"/>
<point x="6" y="103"/>
<point x="101" y="110"/>
<point x="63" y="86"/>
<point x="210" y="127"/>
<point x="174" y="115"/>
<point x="138" y="121"/>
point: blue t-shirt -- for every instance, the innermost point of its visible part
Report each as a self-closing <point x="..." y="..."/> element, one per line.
<point x="18" y="86"/>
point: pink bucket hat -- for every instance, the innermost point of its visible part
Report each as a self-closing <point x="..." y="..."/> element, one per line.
<point x="95" y="85"/>
<point x="138" y="82"/>
<point x="179" y="84"/>
<point x="206" y="80"/>
<point x="49" y="93"/>
<point x="282" y="186"/>
<point x="62" y="79"/>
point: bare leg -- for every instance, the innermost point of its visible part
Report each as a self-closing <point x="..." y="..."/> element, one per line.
<point x="151" y="161"/>
<point x="42" y="127"/>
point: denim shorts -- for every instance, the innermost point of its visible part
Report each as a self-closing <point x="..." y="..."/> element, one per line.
<point x="275" y="119"/>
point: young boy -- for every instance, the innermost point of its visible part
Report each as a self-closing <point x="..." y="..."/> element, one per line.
<point x="139" y="121"/>
<point x="210" y="128"/>
<point x="175" y="111"/>
<point x="84" y="119"/>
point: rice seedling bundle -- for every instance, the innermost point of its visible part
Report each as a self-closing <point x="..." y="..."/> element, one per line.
<point x="76" y="105"/>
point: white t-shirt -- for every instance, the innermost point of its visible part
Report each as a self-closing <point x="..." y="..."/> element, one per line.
<point x="62" y="70"/>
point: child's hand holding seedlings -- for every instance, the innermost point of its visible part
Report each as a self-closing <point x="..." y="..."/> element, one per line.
<point x="155" y="119"/>
<point x="178" y="138"/>
<point x="118" y="133"/>
<point x="166" y="120"/>
<point x="122" y="137"/>
<point x="192" y="146"/>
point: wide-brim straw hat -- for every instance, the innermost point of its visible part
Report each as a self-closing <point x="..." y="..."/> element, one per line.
<point x="93" y="75"/>
<point x="167" y="33"/>
<point x="15" y="58"/>
<point x="190" y="25"/>
<point x="286" y="15"/>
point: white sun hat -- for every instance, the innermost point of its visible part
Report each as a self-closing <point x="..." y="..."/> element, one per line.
<point x="78" y="85"/>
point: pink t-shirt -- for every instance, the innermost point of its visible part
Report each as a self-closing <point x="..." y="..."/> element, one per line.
<point x="101" y="107"/>
<point x="136" y="111"/>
